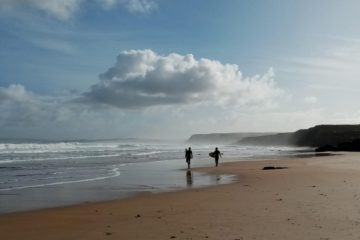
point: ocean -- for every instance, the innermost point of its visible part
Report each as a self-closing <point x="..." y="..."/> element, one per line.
<point x="42" y="174"/>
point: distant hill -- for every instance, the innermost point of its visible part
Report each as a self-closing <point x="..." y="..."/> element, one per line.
<point x="222" y="137"/>
<point x="313" y="137"/>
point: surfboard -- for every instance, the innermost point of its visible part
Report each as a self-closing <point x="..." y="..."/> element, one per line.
<point x="212" y="154"/>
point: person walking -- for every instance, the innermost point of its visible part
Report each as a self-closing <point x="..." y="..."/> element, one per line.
<point x="217" y="155"/>
<point x="188" y="156"/>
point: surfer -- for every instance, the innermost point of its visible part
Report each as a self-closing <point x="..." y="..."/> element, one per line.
<point x="217" y="155"/>
<point x="188" y="156"/>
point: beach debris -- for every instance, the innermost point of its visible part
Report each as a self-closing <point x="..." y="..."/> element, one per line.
<point x="108" y="233"/>
<point x="173" y="236"/>
<point x="273" y="168"/>
<point x="279" y="199"/>
<point x="137" y="216"/>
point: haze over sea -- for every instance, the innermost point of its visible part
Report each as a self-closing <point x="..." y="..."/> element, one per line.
<point x="38" y="174"/>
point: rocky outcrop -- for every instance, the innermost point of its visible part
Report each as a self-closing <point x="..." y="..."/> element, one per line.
<point x="353" y="146"/>
<point x="321" y="135"/>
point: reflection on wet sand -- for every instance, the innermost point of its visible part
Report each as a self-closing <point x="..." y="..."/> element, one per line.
<point x="197" y="179"/>
<point x="189" y="178"/>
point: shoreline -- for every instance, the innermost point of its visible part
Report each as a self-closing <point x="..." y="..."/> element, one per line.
<point x="314" y="198"/>
<point x="126" y="180"/>
<point x="131" y="180"/>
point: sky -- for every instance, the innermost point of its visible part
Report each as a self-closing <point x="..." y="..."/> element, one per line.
<point x="88" y="69"/>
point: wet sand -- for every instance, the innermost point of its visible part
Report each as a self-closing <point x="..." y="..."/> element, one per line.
<point x="314" y="198"/>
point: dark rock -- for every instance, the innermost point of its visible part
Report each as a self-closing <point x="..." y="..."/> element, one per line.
<point x="325" y="148"/>
<point x="273" y="168"/>
<point x="351" y="146"/>
<point x="269" y="168"/>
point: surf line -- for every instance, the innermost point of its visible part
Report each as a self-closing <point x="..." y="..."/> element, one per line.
<point x="60" y="158"/>
<point x="115" y="171"/>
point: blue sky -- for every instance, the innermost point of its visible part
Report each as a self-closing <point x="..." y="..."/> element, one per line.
<point x="158" y="68"/>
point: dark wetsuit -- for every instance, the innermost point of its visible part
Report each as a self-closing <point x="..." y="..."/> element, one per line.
<point x="217" y="156"/>
<point x="188" y="157"/>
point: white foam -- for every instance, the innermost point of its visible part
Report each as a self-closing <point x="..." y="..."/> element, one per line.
<point x="61" y="147"/>
<point x="115" y="171"/>
<point x="148" y="153"/>
<point x="60" y="158"/>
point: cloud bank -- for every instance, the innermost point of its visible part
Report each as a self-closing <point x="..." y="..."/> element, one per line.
<point x="143" y="78"/>
<point x="20" y="107"/>
<point x="65" y="9"/>
<point x="140" y="79"/>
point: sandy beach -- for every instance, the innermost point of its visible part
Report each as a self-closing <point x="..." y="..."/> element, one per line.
<point x="313" y="198"/>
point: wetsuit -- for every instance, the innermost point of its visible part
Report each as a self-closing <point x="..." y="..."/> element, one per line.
<point x="217" y="156"/>
<point x="188" y="157"/>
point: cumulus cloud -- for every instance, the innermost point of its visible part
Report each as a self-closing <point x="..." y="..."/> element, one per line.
<point x="14" y="92"/>
<point x="65" y="9"/>
<point x="28" y="115"/>
<point x="21" y="107"/>
<point x="139" y="79"/>
<point x="143" y="78"/>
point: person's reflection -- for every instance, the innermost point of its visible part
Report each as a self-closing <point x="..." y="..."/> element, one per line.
<point x="215" y="178"/>
<point x="189" y="178"/>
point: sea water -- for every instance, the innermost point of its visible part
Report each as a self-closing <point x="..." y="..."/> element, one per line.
<point x="40" y="174"/>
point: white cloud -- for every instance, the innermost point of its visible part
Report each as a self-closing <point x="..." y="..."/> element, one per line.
<point x="107" y="4"/>
<point x="310" y="99"/>
<point x="133" y="6"/>
<point x="60" y="9"/>
<point x="330" y="68"/>
<point x="65" y="9"/>
<point x="143" y="78"/>
<point x="28" y="115"/>
<point x="140" y="6"/>
<point x="57" y="45"/>
<point x="21" y="107"/>
<point x="14" y="92"/>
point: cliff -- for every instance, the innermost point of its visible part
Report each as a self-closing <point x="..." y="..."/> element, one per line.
<point x="313" y="137"/>
<point x="353" y="146"/>
<point x="222" y="137"/>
